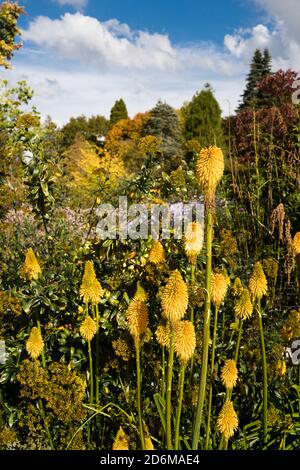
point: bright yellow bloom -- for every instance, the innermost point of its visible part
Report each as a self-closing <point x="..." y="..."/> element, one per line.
<point x="31" y="268"/>
<point x="175" y="298"/>
<point x="281" y="368"/>
<point x="140" y="293"/>
<point x="90" y="289"/>
<point x="88" y="328"/>
<point x="227" y="422"/>
<point x="137" y="318"/>
<point x="35" y="343"/>
<point x="229" y="374"/>
<point x="219" y="286"/>
<point x="193" y="241"/>
<point x="210" y="168"/>
<point x="148" y="441"/>
<point x="258" y="284"/>
<point x="237" y="287"/>
<point x="121" y="441"/>
<point x="157" y="254"/>
<point x="243" y="307"/>
<point x="163" y="334"/>
<point x="296" y="244"/>
<point x="185" y="340"/>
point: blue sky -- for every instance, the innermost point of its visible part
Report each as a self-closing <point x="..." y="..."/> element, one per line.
<point x="183" y="20"/>
<point x="79" y="56"/>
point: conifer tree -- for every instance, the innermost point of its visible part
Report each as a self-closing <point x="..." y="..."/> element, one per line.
<point x="202" y="118"/>
<point x="260" y="68"/>
<point x="118" y="112"/>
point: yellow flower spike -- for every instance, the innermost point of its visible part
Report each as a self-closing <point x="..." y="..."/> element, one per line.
<point x="90" y="289"/>
<point x="219" y="286"/>
<point x="229" y="374"/>
<point x="193" y="243"/>
<point x="163" y="335"/>
<point x="35" y="343"/>
<point x="157" y="254"/>
<point x="137" y="318"/>
<point x="227" y="422"/>
<point x="121" y="441"/>
<point x="175" y="298"/>
<point x="237" y="287"/>
<point x="281" y="368"/>
<point x="31" y="268"/>
<point x="140" y="294"/>
<point x="88" y="328"/>
<point x="185" y="340"/>
<point x="258" y="284"/>
<point x="296" y="244"/>
<point x="210" y="169"/>
<point x="243" y="307"/>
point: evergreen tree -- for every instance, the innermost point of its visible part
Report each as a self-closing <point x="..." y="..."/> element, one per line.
<point x="163" y="123"/>
<point x="260" y="68"/>
<point x="202" y="118"/>
<point x="118" y="112"/>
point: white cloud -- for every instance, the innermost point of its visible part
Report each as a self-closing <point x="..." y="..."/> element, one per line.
<point x="80" y="37"/>
<point x="73" y="3"/>
<point x="79" y="65"/>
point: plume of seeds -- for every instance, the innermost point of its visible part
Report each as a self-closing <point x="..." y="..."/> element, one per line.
<point x="88" y="328"/>
<point x="137" y="318"/>
<point x="219" y="286"/>
<point x="35" y="343"/>
<point x="185" y="340"/>
<point x="227" y="422"/>
<point x="210" y="169"/>
<point x="121" y="441"/>
<point x="243" y="307"/>
<point x="90" y="289"/>
<point x="258" y="284"/>
<point x="174" y="300"/>
<point x="229" y="374"/>
<point x="31" y="268"/>
<point x="193" y="243"/>
<point x="296" y="244"/>
<point x="157" y="254"/>
<point x="163" y="335"/>
<point x="278" y="217"/>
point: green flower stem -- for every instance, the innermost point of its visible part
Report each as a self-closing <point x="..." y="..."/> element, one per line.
<point x="169" y="391"/>
<point x="97" y="355"/>
<point x="43" y="352"/>
<point x="193" y="269"/>
<point x="212" y="367"/>
<point x="47" y="430"/>
<point x="139" y="400"/>
<point x="238" y="341"/>
<point x="206" y="331"/>
<point x="179" y="407"/>
<point x="91" y="373"/>
<point x="163" y="373"/>
<point x="46" y="423"/>
<point x="265" y="378"/>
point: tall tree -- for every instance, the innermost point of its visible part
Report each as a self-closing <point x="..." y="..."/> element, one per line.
<point x="202" y="118"/>
<point x="260" y="68"/>
<point x="163" y="123"/>
<point x="118" y="112"/>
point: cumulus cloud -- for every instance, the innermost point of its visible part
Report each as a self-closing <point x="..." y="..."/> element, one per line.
<point x="78" y="64"/>
<point x="79" y="4"/>
<point x="110" y="43"/>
